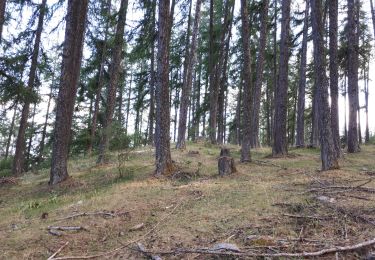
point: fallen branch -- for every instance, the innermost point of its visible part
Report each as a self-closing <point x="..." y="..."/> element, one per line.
<point x="67" y="228"/>
<point x="58" y="251"/>
<point x="309" y="217"/>
<point x="84" y="214"/>
<point x="260" y="162"/>
<point x="322" y="252"/>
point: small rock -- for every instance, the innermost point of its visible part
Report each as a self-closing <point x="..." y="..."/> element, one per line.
<point x="226" y="246"/>
<point x="137" y="227"/>
<point x="326" y="199"/>
<point x="120" y="234"/>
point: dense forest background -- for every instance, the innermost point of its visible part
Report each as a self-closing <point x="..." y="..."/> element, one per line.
<point x="85" y="77"/>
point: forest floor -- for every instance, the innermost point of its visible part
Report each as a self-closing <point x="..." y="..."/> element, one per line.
<point x="269" y="206"/>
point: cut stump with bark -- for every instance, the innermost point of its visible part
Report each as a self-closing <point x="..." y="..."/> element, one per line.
<point x="226" y="163"/>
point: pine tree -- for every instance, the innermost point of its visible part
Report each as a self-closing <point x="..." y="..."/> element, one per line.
<point x="113" y="81"/>
<point x="279" y="147"/>
<point x="71" y="63"/>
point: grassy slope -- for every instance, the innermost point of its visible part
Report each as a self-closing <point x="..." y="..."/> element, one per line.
<point x="209" y="209"/>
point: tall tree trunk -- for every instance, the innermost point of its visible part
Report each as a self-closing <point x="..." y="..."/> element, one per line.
<point x="333" y="74"/>
<point x="245" y="149"/>
<point x="257" y="91"/>
<point x="366" y="79"/>
<point x="164" y="163"/>
<point x="128" y="103"/>
<point x="9" y="139"/>
<point x="211" y="70"/>
<point x="300" y="139"/>
<point x="281" y="92"/>
<point x="187" y="83"/>
<point x="19" y="157"/>
<point x="373" y="16"/>
<point x="353" y="145"/>
<point x="44" y="131"/>
<point x="113" y="82"/>
<point x="71" y="63"/>
<point x="28" y="154"/>
<point x="2" y="16"/>
<point x="152" y="78"/>
<point x="223" y="78"/>
<point x="327" y="150"/>
<point x="100" y="82"/>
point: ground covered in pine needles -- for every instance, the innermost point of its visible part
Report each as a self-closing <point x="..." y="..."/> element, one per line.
<point x="270" y="207"/>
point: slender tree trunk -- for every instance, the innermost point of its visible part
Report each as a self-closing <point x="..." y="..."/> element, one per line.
<point x="327" y="151"/>
<point x="19" y="157"/>
<point x="113" y="82"/>
<point x="11" y="131"/>
<point x="100" y="84"/>
<point x="333" y="71"/>
<point x="245" y="149"/>
<point x="152" y="79"/>
<point x="300" y="139"/>
<point x="366" y="79"/>
<point x="345" y="106"/>
<point x="186" y="88"/>
<point x="281" y="92"/>
<point x="71" y="63"/>
<point x="164" y="163"/>
<point x="30" y="140"/>
<point x="2" y="16"/>
<point x="257" y="91"/>
<point x="211" y="70"/>
<point x="128" y="103"/>
<point x="44" y="131"/>
<point x="353" y="145"/>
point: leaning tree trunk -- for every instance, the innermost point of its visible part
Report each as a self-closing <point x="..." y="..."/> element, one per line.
<point x="257" y="91"/>
<point x="2" y="16"/>
<point x="327" y="150"/>
<point x="245" y="149"/>
<point x="279" y="147"/>
<point x="113" y="82"/>
<point x="186" y="88"/>
<point x="19" y="156"/>
<point x="100" y="83"/>
<point x="300" y="139"/>
<point x="164" y="163"/>
<point x="71" y="64"/>
<point x="333" y="74"/>
<point x="353" y="145"/>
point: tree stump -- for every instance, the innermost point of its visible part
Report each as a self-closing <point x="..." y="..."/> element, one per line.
<point x="226" y="163"/>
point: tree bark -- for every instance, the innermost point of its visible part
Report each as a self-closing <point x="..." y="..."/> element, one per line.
<point x="366" y="78"/>
<point x="257" y="91"/>
<point x="187" y="85"/>
<point x="28" y="154"/>
<point x="164" y="163"/>
<point x="327" y="150"/>
<point x="19" y="156"/>
<point x="245" y="148"/>
<point x="353" y="145"/>
<point x="373" y="16"/>
<point x="333" y="74"/>
<point x="113" y="82"/>
<point x="2" y="16"/>
<point x="152" y="78"/>
<point x="71" y="63"/>
<point x="281" y="92"/>
<point x="300" y="139"/>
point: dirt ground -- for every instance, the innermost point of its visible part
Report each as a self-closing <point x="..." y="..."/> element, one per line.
<point x="270" y="206"/>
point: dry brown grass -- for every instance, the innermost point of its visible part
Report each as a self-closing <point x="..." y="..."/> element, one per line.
<point x="245" y="209"/>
